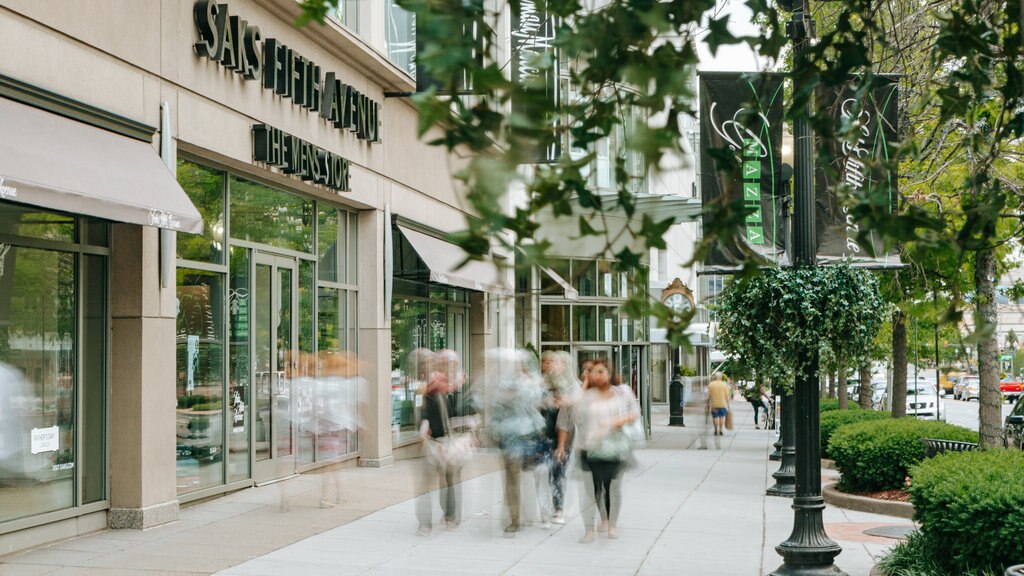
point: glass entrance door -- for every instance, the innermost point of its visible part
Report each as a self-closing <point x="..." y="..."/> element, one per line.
<point x="274" y="365"/>
<point x="585" y="353"/>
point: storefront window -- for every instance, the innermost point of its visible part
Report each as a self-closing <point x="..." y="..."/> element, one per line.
<point x="268" y="216"/>
<point x="584" y="277"/>
<point x="548" y="285"/>
<point x="37" y="377"/>
<point x="34" y="222"/>
<point x="409" y="332"/>
<point x="200" y="380"/>
<point x="607" y="324"/>
<point x="205" y="187"/>
<point x="554" y="323"/>
<point x="584" y="327"/>
<point x="238" y="366"/>
<point x="327" y="243"/>
<point x="47" y="298"/>
<point x="305" y="377"/>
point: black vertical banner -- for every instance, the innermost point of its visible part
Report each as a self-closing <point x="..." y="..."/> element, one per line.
<point x="535" y="88"/>
<point x="740" y="166"/>
<point x="864" y="161"/>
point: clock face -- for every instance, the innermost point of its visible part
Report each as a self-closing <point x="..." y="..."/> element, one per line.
<point x="679" y="303"/>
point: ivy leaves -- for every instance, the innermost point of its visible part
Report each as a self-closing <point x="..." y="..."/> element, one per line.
<point x="771" y="323"/>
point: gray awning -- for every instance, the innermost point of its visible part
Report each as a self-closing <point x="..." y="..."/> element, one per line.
<point x="443" y="259"/>
<point x="53" y="162"/>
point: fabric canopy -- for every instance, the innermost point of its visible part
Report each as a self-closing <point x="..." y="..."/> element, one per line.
<point x="444" y="259"/>
<point x="53" y="162"/>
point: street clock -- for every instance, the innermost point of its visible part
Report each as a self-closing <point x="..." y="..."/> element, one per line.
<point x="678" y="297"/>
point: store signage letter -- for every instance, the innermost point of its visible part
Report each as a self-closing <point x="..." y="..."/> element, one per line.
<point x="234" y="44"/>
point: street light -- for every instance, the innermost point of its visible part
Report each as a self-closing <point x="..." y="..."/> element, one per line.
<point x="785" y="476"/>
<point x="808" y="550"/>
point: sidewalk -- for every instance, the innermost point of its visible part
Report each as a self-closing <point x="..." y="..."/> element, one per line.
<point x="686" y="510"/>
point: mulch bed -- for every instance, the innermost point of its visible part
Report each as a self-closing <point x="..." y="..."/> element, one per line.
<point x="898" y="495"/>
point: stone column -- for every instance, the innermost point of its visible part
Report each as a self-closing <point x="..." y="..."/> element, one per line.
<point x="143" y="488"/>
<point x="375" y="449"/>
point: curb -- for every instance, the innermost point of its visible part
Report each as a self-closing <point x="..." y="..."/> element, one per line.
<point x="865" y="504"/>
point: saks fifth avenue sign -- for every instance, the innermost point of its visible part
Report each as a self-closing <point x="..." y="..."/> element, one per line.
<point x="238" y="46"/>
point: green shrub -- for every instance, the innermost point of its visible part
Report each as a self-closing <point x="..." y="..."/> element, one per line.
<point x="835" y="419"/>
<point x="971" y="508"/>
<point x="915" y="556"/>
<point x="878" y="454"/>
<point x="831" y="405"/>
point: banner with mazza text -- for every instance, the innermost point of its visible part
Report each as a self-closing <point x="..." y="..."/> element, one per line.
<point x="864" y="161"/>
<point x="741" y="164"/>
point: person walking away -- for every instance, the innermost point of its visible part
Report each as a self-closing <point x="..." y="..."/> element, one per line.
<point x="605" y="447"/>
<point x="718" y="400"/>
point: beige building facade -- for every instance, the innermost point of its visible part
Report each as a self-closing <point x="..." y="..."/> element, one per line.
<point x="234" y="296"/>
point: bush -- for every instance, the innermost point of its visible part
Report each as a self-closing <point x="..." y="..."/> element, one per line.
<point x="915" y="556"/>
<point x="971" y="508"/>
<point x="835" y="419"/>
<point x="831" y="405"/>
<point x="878" y="454"/>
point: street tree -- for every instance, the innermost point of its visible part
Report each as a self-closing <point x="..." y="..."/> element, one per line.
<point x="769" y="320"/>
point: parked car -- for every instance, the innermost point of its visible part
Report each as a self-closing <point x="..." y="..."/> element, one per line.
<point x="878" y="389"/>
<point x="958" y="386"/>
<point x="1013" y="427"/>
<point x="971" y="389"/>
<point x="1011" y="389"/>
<point x="922" y="400"/>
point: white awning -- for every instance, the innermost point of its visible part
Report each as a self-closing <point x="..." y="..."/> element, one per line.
<point x="447" y="264"/>
<point x="54" y="162"/>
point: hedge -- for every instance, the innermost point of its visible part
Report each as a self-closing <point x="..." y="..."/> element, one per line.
<point x="831" y="405"/>
<point x="877" y="454"/>
<point x="971" y="508"/>
<point x="832" y="421"/>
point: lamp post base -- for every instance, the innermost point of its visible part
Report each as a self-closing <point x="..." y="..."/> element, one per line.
<point x="808" y="551"/>
<point x="676" y="420"/>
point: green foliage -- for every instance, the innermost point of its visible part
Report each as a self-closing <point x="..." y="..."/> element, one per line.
<point x="877" y="455"/>
<point x="915" y="557"/>
<point x="770" y="321"/>
<point x="836" y="419"/>
<point x="971" y="508"/>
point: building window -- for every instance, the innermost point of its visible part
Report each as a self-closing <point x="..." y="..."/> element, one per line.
<point x="400" y="34"/>
<point x="53" y="350"/>
<point x="291" y="261"/>
<point x="347" y="14"/>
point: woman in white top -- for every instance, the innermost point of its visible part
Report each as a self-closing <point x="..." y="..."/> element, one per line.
<point x="602" y="413"/>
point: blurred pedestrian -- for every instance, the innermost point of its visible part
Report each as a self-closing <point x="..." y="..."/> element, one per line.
<point x="605" y="447"/>
<point x="515" y="391"/>
<point x="445" y="452"/>
<point x="718" y="401"/>
<point x="562" y="391"/>
<point x="753" y="394"/>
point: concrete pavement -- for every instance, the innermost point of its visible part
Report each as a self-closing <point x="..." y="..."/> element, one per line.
<point x="686" y="509"/>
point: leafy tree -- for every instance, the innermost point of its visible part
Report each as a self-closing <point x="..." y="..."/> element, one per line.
<point x="769" y="320"/>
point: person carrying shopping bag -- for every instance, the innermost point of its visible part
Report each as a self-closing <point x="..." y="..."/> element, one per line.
<point x="602" y="416"/>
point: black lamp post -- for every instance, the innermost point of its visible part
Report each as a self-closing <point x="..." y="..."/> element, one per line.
<point x="785" y="446"/>
<point x="808" y="550"/>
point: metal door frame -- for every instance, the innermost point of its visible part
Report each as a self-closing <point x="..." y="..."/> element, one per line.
<point x="275" y="467"/>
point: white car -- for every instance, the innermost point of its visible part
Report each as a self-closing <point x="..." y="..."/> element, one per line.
<point x="971" y="388"/>
<point x="922" y="400"/>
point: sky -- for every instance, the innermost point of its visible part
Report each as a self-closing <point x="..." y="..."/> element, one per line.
<point x="734" y="57"/>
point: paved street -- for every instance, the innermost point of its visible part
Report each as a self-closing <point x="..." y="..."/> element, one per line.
<point x="687" y="510"/>
<point x="964" y="413"/>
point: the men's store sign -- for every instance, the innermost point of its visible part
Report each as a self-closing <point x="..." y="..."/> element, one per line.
<point x="296" y="156"/>
<point x="238" y="46"/>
